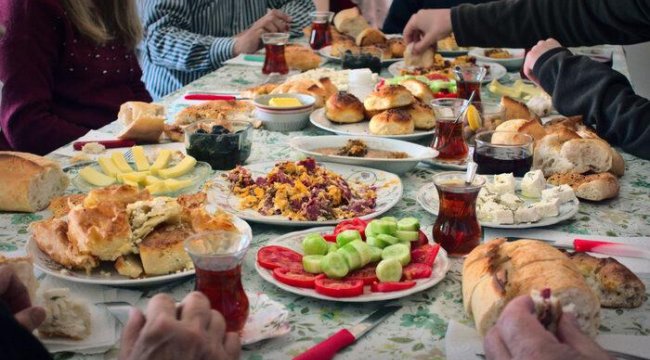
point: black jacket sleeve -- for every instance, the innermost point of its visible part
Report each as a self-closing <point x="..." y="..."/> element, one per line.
<point x="16" y="343"/>
<point x="400" y="11"/>
<point x="521" y="23"/>
<point x="604" y="97"/>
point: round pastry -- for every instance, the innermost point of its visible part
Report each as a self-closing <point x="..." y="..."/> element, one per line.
<point x="339" y="47"/>
<point x="389" y="97"/>
<point x="370" y="36"/>
<point x="419" y="89"/>
<point x="397" y="47"/>
<point x="392" y="122"/>
<point x="344" y="108"/>
<point x="422" y="115"/>
<point x="381" y="51"/>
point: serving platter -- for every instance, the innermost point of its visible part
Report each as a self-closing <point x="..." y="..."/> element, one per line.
<point x="319" y="120"/>
<point x="496" y="72"/>
<point x="512" y="64"/>
<point x="389" y="192"/>
<point x="326" y="52"/>
<point x="106" y="274"/>
<point x="294" y="240"/>
<point x="447" y="164"/>
<point x="428" y="198"/>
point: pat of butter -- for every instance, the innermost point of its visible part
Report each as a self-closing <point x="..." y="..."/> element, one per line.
<point x="284" y="102"/>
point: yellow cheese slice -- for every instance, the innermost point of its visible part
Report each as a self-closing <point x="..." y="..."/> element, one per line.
<point x="157" y="188"/>
<point x="138" y="177"/>
<point x="96" y="178"/>
<point x="120" y="162"/>
<point x="149" y="180"/>
<point x="131" y="182"/>
<point x="186" y="165"/>
<point x="141" y="162"/>
<point x="108" y="166"/>
<point x="161" y="161"/>
<point x="175" y="185"/>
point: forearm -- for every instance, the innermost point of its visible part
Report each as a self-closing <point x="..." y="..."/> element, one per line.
<point x="604" y="97"/>
<point x="521" y="23"/>
<point x="322" y="5"/>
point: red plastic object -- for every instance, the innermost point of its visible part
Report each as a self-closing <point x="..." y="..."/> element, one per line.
<point x="109" y="144"/>
<point x="328" y="348"/>
<point x="582" y="245"/>
<point x="209" y="97"/>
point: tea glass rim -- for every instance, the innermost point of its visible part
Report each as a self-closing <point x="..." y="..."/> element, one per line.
<point x="329" y="14"/>
<point x="470" y="67"/>
<point x="477" y="183"/>
<point x="489" y="102"/>
<point x="437" y="103"/>
<point x="245" y="238"/>
<point x="484" y="143"/>
<point x="275" y="36"/>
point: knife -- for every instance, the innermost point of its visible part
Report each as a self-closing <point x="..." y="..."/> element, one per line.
<point x="326" y="349"/>
<point x="600" y="247"/>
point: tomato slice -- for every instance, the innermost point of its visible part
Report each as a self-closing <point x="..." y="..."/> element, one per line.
<point x="445" y="95"/>
<point x="352" y="224"/>
<point x="330" y="237"/>
<point x="338" y="288"/>
<point x="437" y="76"/>
<point x="422" y="239"/>
<point x="274" y="256"/>
<point x="295" y="277"/>
<point x="391" y="286"/>
<point x="425" y="254"/>
<point x="366" y="274"/>
<point x="414" y="271"/>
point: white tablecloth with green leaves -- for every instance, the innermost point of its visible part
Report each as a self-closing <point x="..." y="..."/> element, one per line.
<point x="416" y="331"/>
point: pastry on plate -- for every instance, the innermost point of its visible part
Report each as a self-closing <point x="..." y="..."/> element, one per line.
<point x="344" y="108"/>
<point x="51" y="237"/>
<point x="419" y="89"/>
<point x="397" y="47"/>
<point x="370" y="36"/>
<point x="103" y="231"/>
<point x="388" y="97"/>
<point x="301" y="58"/>
<point x="422" y="115"/>
<point x="162" y="250"/>
<point x="392" y="122"/>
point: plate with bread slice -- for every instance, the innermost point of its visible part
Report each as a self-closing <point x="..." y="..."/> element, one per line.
<point x="507" y="202"/>
<point x="495" y="71"/>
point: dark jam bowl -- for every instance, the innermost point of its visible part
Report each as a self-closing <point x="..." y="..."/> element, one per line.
<point x="221" y="151"/>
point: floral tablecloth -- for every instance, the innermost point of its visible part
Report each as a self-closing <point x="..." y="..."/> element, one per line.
<point x="416" y="331"/>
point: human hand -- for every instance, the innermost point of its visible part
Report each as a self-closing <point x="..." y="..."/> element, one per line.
<point x="534" y="54"/>
<point x="15" y="295"/>
<point x="248" y="42"/>
<point x="427" y="27"/>
<point x="193" y="331"/>
<point x="273" y="21"/>
<point x="518" y="334"/>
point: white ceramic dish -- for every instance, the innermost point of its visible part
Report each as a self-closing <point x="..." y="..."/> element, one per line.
<point x="106" y="273"/>
<point x="389" y="192"/>
<point x="512" y="64"/>
<point x="319" y="120"/>
<point x="294" y="240"/>
<point x="447" y="164"/>
<point x="427" y="197"/>
<point x="497" y="71"/>
<point x="309" y="144"/>
<point x="285" y="118"/>
<point x="453" y="53"/>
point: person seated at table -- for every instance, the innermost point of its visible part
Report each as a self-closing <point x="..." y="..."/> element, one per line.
<point x="401" y="11"/>
<point x="374" y="11"/>
<point x="578" y="85"/>
<point x="67" y="66"/>
<point x="191" y="331"/>
<point x="185" y="40"/>
<point x="518" y="335"/>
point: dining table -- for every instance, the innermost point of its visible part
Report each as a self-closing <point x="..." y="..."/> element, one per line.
<point x="418" y="329"/>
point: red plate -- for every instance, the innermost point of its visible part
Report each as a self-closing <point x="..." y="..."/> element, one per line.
<point x="295" y="277"/>
<point x="338" y="288"/>
<point x="274" y="256"/>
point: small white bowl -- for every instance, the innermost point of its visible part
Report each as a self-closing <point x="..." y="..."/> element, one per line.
<point x="308" y="144"/>
<point x="512" y="64"/>
<point x="284" y="118"/>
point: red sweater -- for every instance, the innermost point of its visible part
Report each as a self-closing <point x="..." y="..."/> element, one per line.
<point x="57" y="84"/>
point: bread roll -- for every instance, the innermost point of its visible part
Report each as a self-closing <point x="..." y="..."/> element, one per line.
<point x="424" y="59"/>
<point x="66" y="317"/>
<point x="497" y="271"/>
<point x="301" y="58"/>
<point x="350" y="22"/>
<point x="144" y="122"/>
<point x="422" y="115"/>
<point x="618" y="164"/>
<point x="370" y="36"/>
<point x="516" y="110"/>
<point x="29" y="182"/>
<point x="593" y="187"/>
<point x="531" y="127"/>
<point x="388" y="97"/>
<point x="23" y="266"/>
<point x="419" y="89"/>
<point x="345" y="108"/>
<point x="588" y="155"/>
<point x="391" y="122"/>
<point x="256" y="91"/>
<point x="397" y="47"/>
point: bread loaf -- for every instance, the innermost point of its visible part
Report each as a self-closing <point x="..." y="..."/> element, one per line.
<point x="517" y="110"/>
<point x="370" y="36"/>
<point x="29" y="182"/>
<point x="144" y="122"/>
<point x="593" y="187"/>
<point x="388" y="97"/>
<point x="344" y="108"/>
<point x="498" y="271"/>
<point x="66" y="316"/>
<point x="350" y="22"/>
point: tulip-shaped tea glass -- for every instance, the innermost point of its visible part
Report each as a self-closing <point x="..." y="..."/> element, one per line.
<point x="320" y="29"/>
<point x="448" y="139"/>
<point x="274" y="60"/>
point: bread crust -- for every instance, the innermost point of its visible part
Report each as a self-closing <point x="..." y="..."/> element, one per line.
<point x="426" y="59"/>
<point x="388" y="97"/>
<point x="391" y="122"/>
<point x="301" y="58"/>
<point x="419" y="89"/>
<point x="370" y="36"/>
<point x="51" y="238"/>
<point x="422" y="115"/>
<point x="344" y="108"/>
<point x="593" y="187"/>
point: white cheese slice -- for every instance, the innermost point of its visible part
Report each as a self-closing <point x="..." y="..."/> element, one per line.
<point x="563" y="192"/>
<point x="527" y="214"/>
<point x="510" y="201"/>
<point x="503" y="184"/>
<point x="532" y="184"/>
<point x="548" y="207"/>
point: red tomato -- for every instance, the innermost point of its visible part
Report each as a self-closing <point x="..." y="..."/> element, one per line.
<point x="425" y="254"/>
<point x="445" y="95"/>
<point x="330" y="237"/>
<point x="295" y="277"/>
<point x="437" y="76"/>
<point x="414" y="271"/>
<point x="422" y="239"/>
<point x="338" y="288"/>
<point x="391" y="286"/>
<point x="366" y="274"/>
<point x="273" y="256"/>
<point x="353" y="224"/>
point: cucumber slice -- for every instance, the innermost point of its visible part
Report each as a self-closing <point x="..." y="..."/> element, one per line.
<point x="400" y="252"/>
<point x="334" y="265"/>
<point x="388" y="239"/>
<point x="375" y="254"/>
<point x="332" y="247"/>
<point x="375" y="242"/>
<point x="409" y="223"/>
<point x="314" y="244"/>
<point x="385" y="227"/>
<point x="389" y="270"/>
<point x="406" y="235"/>
<point x="311" y="263"/>
<point x="347" y="236"/>
<point x="390" y="219"/>
<point x="351" y="256"/>
<point x="364" y="251"/>
<point x="370" y="230"/>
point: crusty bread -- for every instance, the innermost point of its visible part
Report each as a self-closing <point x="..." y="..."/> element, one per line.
<point x="531" y="127"/>
<point x="594" y="187"/>
<point x="370" y="36"/>
<point x="321" y="90"/>
<point x="301" y="58"/>
<point x="397" y="47"/>
<point x="618" y="164"/>
<point x="419" y="89"/>
<point x="508" y="133"/>
<point x="588" y="155"/>
<point x="388" y="97"/>
<point x="350" y="22"/>
<point x="422" y="115"/>
<point x="61" y="205"/>
<point x="497" y="271"/>
<point x="29" y="182"/>
<point x="23" y="266"/>
<point x="144" y="122"/>
<point x="129" y="265"/>
<point x="102" y="231"/>
<point x="51" y="237"/>
<point x="550" y="157"/>
<point x="426" y="59"/>
<point x="119" y="195"/>
<point x="256" y="91"/>
<point x="65" y="316"/>
<point x="516" y="110"/>
<point x="344" y="108"/>
<point x="162" y="251"/>
<point x="220" y="112"/>
<point x="391" y="122"/>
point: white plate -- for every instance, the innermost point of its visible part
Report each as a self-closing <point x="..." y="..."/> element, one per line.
<point x="294" y="240"/>
<point x="453" y="53"/>
<point x="497" y="71"/>
<point x="319" y="120"/>
<point x="326" y="52"/>
<point x="106" y="274"/>
<point x="427" y="197"/>
<point x="447" y="164"/>
<point x="416" y="153"/>
<point x="514" y="63"/>
<point x="389" y="192"/>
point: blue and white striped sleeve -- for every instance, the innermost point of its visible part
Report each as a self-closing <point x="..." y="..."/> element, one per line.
<point x="298" y="10"/>
<point x="169" y="43"/>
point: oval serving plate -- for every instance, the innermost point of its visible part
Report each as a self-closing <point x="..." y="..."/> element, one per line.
<point x="497" y="71"/>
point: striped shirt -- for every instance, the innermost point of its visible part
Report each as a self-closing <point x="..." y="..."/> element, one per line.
<point x="187" y="39"/>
